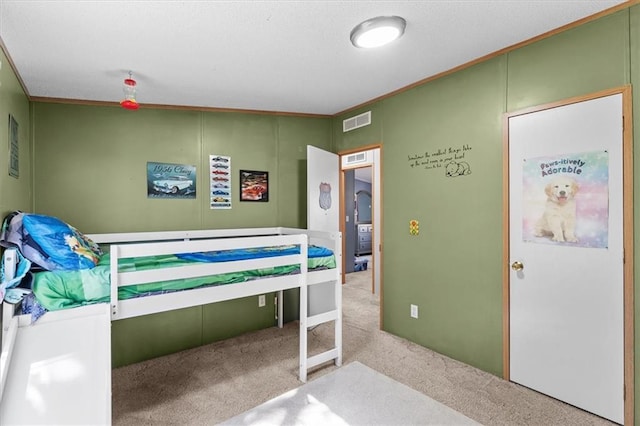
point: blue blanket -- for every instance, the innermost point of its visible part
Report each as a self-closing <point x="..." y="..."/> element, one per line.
<point x="254" y="253"/>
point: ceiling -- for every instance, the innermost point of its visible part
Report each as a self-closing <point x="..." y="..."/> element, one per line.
<point x="281" y="56"/>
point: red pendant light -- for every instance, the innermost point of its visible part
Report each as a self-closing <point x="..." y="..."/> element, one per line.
<point x="129" y="89"/>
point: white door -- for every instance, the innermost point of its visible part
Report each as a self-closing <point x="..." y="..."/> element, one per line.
<point x="323" y="208"/>
<point x="566" y="233"/>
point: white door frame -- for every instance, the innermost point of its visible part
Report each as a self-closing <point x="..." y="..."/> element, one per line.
<point x="628" y="237"/>
<point x="376" y="214"/>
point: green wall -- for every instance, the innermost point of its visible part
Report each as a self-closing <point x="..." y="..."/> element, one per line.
<point x="90" y="170"/>
<point x="90" y="165"/>
<point x="15" y="193"/>
<point x="453" y="269"/>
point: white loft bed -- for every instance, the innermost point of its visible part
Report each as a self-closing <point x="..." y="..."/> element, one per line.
<point x="68" y="378"/>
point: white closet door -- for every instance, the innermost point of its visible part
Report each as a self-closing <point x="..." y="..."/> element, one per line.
<point x="566" y="303"/>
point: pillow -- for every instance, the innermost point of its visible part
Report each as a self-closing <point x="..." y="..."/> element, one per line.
<point x="50" y="243"/>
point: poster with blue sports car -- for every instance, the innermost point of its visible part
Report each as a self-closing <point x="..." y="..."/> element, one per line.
<point x="166" y="180"/>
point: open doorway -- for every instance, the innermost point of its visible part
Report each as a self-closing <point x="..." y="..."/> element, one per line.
<point x="361" y="219"/>
<point x="358" y="220"/>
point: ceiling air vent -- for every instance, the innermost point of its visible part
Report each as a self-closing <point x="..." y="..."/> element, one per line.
<point x="359" y="157"/>
<point x="356" y="122"/>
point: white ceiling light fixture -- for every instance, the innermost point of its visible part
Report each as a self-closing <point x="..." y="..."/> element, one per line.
<point x="378" y="31"/>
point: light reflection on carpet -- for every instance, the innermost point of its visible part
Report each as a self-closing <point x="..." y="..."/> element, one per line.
<point x="351" y="395"/>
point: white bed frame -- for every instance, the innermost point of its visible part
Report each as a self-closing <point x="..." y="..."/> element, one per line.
<point x="34" y="390"/>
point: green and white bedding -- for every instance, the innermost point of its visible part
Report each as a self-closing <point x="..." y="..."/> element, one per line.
<point x="56" y="290"/>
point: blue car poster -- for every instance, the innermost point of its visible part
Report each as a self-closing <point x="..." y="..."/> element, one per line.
<point x="220" y="182"/>
<point x="166" y="180"/>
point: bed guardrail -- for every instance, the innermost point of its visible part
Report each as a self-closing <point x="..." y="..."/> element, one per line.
<point x="152" y="304"/>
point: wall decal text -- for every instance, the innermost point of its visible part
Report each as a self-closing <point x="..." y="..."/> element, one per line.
<point x="451" y="160"/>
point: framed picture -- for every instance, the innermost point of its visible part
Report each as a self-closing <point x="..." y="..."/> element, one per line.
<point x="220" y="182"/>
<point x="254" y="185"/>
<point x="14" y="156"/>
<point x="166" y="180"/>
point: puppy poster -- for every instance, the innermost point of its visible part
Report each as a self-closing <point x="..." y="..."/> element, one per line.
<point x="566" y="199"/>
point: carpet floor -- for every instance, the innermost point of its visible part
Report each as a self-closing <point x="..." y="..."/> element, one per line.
<point x="217" y="382"/>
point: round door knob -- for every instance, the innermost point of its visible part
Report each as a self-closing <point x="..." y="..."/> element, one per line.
<point x="517" y="266"/>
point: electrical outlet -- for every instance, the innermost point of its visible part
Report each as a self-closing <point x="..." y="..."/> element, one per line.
<point x="262" y="300"/>
<point x="414" y="311"/>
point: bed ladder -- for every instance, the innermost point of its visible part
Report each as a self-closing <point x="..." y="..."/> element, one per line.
<point x="308" y="321"/>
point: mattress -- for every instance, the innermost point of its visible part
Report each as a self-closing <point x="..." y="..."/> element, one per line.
<point x="55" y="290"/>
